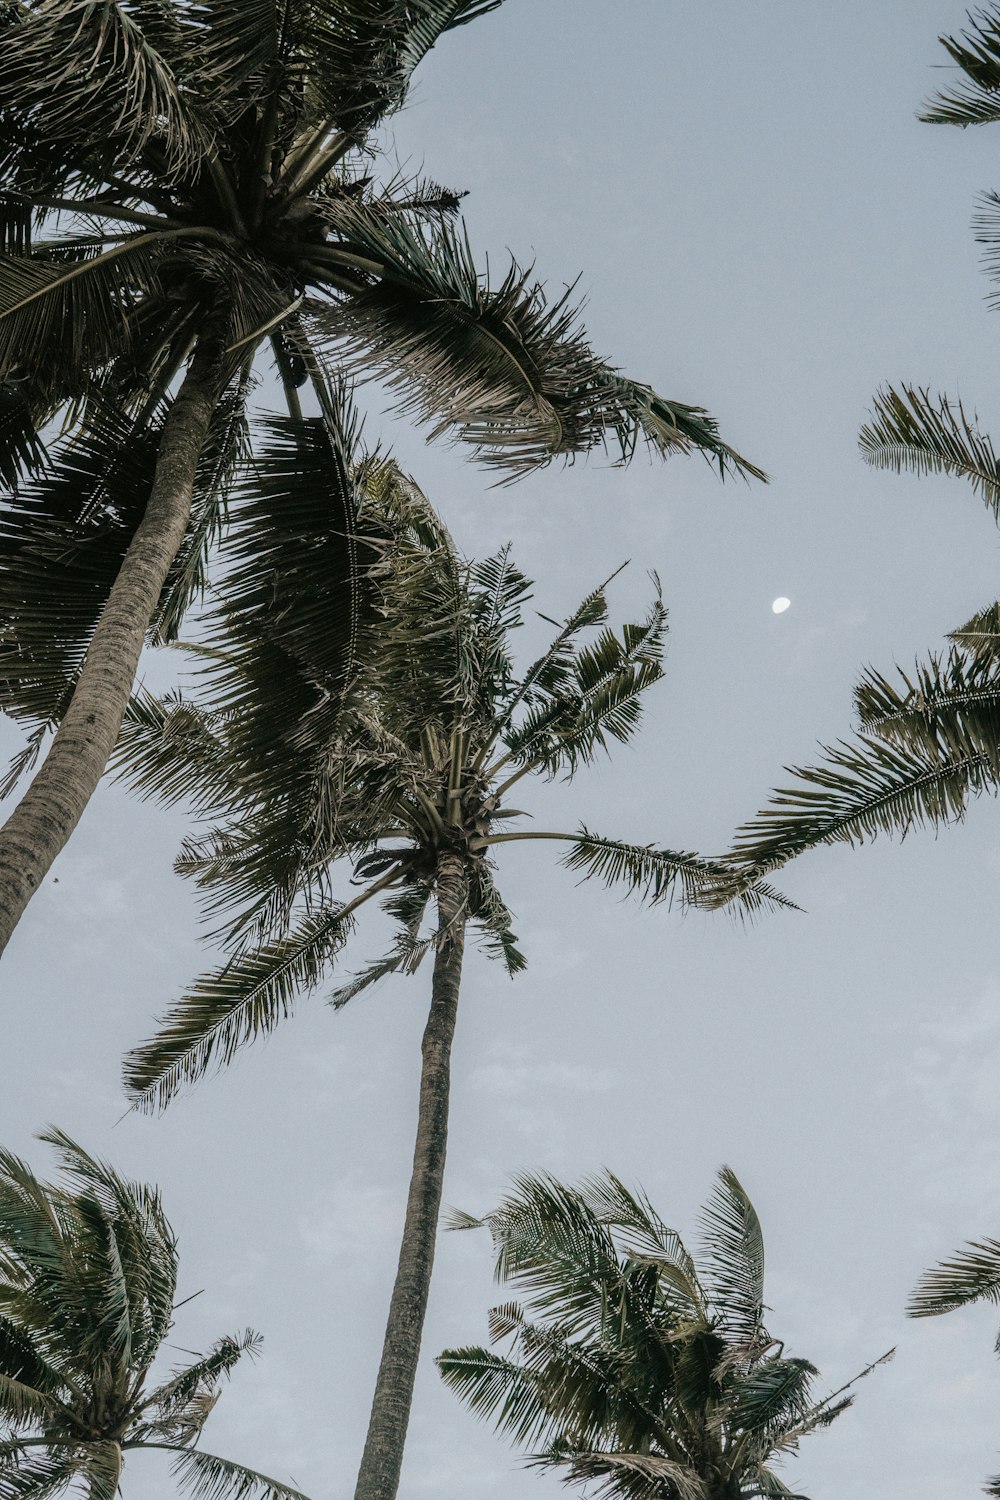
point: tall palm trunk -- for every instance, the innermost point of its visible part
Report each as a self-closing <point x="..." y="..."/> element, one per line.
<point x="378" y="1477"/>
<point x="55" y="801"/>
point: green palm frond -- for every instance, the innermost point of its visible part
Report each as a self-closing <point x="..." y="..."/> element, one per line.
<point x="775" y="1392"/>
<point x="60" y="317"/>
<point x="972" y="1275"/>
<point x="950" y="707"/>
<point x="232" y="1006"/>
<point x="586" y="695"/>
<point x="981" y="635"/>
<point x="170" y="1402"/>
<point x="32" y="1476"/>
<point x="497" y="1388"/>
<point x="635" y="1476"/>
<point x="976" y="51"/>
<point x="864" y="788"/>
<point x="911" y="429"/>
<point x="204" y="1476"/>
<point x="365" y="51"/>
<point x="622" y="1372"/>
<point x="498" y="367"/>
<point x="93" y="86"/>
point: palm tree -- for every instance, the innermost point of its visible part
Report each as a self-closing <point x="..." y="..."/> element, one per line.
<point x="403" y="773"/>
<point x="211" y="168"/>
<point x="630" y="1364"/>
<point x="971" y="1275"/>
<point x="929" y="741"/>
<point x="88" y="1276"/>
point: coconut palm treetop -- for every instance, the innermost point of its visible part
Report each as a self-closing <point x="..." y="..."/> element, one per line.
<point x="182" y="184"/>
<point x="630" y="1365"/>
<point x="299" y="770"/>
<point x="218" y="159"/>
<point x="88" y="1276"/>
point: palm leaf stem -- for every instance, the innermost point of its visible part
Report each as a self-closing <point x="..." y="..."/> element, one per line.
<point x="263" y="329"/>
<point x="226" y="191"/>
<point x="275" y="1486"/>
<point x="97" y="207"/>
<point x="126" y="247"/>
<point x="284" y="367"/>
<point x="317" y="162"/>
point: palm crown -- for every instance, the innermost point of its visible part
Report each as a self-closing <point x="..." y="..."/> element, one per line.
<point x="298" y="767"/>
<point x="630" y="1365"/>
<point x="182" y="185"/>
<point x="88" y="1275"/>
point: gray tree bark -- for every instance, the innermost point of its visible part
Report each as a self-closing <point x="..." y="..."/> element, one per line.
<point x="378" y="1477"/>
<point x="53" y="804"/>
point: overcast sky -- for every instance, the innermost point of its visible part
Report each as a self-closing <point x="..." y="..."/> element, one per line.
<point x="761" y="226"/>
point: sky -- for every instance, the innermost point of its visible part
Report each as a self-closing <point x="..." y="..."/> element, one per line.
<point x="760" y="225"/>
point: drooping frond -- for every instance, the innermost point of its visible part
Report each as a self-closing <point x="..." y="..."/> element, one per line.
<point x="498" y="367"/>
<point x="972" y="1275"/>
<point x="34" y="1474"/>
<point x="232" y="1006"/>
<point x="96" y="91"/>
<point x="204" y="1476"/>
<point x="974" y="100"/>
<point x="910" y="429"/>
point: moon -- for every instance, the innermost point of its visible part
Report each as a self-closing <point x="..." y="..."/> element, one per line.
<point x="780" y="605"/>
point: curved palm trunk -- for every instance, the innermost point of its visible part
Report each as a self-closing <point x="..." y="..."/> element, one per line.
<point x="55" y="801"/>
<point x="378" y="1477"/>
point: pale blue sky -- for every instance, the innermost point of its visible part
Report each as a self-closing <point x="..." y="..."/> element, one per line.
<point x="760" y="225"/>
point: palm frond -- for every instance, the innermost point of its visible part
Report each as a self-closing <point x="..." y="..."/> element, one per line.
<point x="911" y="429"/>
<point x="95" y="90"/>
<point x="38" y="1476"/>
<point x="972" y="1275"/>
<point x="865" y="787"/>
<point x="981" y="634"/>
<point x="232" y="1006"/>
<point x="950" y="707"/>
<point x="664" y="875"/>
<point x="364" y="53"/>
<point x="733" y="1249"/>
<point x="976" y="99"/>
<point x="204" y="1476"/>
<point x="632" y="1476"/>
<point x="498" y="367"/>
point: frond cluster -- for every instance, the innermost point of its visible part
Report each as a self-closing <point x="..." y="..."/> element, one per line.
<point x="88" y="1275"/>
<point x="359" y="706"/>
<point x="627" y="1364"/>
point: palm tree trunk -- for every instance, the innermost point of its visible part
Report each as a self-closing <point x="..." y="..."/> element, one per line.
<point x="56" y="799"/>
<point x="378" y="1477"/>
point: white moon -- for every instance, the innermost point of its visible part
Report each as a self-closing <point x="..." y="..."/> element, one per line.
<point x="780" y="605"/>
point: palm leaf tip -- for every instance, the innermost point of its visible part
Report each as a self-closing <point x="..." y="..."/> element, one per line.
<point x="911" y="429"/>
<point x="975" y="99"/>
<point x="972" y="1275"/>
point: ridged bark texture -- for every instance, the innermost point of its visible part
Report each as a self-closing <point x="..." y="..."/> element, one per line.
<point x="378" y="1477"/>
<point x="55" y="801"/>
